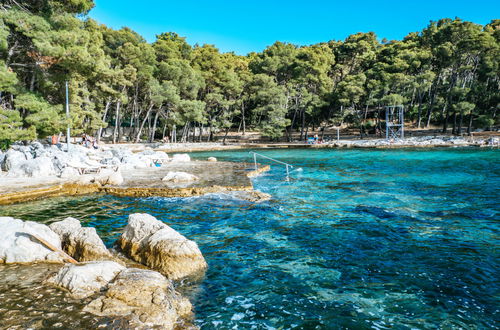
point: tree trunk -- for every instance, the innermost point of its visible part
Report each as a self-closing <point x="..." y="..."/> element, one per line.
<point x="99" y="132"/>
<point x="117" y="121"/>
<point x="303" y="112"/>
<point x="225" y="135"/>
<point x="153" y="131"/>
<point x="243" y="117"/>
<point x="139" y="132"/>
<point x="419" y="118"/>
<point x="460" y="122"/>
<point x="469" y="128"/>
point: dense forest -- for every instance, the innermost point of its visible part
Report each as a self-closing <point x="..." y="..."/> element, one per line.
<point x="447" y="74"/>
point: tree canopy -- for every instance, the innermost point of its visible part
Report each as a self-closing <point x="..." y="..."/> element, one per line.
<point x="447" y="74"/>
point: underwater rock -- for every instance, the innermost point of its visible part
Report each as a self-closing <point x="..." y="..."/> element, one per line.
<point x="84" y="279"/>
<point x="212" y="159"/>
<point x="145" y="295"/>
<point x="177" y="177"/>
<point x="82" y="243"/>
<point x="156" y="245"/>
<point x="180" y="158"/>
<point x="17" y="245"/>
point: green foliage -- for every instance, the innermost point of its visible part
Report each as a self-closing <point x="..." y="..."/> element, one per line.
<point x="448" y="72"/>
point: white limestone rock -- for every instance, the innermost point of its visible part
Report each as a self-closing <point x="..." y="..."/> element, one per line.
<point x="144" y="295"/>
<point x="13" y="159"/>
<point x="212" y="159"/>
<point x="179" y="177"/>
<point x="18" y="246"/>
<point x="82" y="243"/>
<point x="84" y="279"/>
<point x="69" y="173"/>
<point x="158" y="246"/>
<point x="180" y="158"/>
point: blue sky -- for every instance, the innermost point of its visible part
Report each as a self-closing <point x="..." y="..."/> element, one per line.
<point x="245" y="26"/>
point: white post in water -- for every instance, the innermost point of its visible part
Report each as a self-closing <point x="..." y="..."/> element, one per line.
<point x="338" y="134"/>
<point x="255" y="160"/>
<point x="67" y="115"/>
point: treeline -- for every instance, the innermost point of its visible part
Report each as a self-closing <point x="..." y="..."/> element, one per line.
<point x="447" y="74"/>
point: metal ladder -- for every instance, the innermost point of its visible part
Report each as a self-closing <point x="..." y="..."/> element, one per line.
<point x="272" y="159"/>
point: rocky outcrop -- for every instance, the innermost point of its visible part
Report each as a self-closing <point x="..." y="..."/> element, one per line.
<point x="37" y="160"/>
<point x="84" y="279"/>
<point x="156" y="245"/>
<point x="18" y="245"/>
<point x="179" y="177"/>
<point x="12" y="159"/>
<point x="82" y="243"/>
<point x="145" y="295"/>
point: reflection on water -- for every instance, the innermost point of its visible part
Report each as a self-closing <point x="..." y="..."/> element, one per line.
<point x="357" y="239"/>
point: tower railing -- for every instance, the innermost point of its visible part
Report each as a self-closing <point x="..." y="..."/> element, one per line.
<point x="287" y="166"/>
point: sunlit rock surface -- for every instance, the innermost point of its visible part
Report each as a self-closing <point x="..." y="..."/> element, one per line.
<point x="151" y="242"/>
<point x="84" y="279"/>
<point x="177" y="177"/>
<point x="17" y="244"/>
<point x="82" y="243"/>
<point x="146" y="296"/>
<point x="179" y="158"/>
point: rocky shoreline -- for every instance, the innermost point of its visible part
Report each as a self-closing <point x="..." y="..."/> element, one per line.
<point x="37" y="171"/>
<point x="139" y="297"/>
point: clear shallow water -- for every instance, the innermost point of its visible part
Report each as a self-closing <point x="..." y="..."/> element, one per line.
<point x="357" y="239"/>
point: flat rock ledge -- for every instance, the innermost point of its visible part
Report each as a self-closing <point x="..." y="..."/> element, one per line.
<point x="156" y="245"/>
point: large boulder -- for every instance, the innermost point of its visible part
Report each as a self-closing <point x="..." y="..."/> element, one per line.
<point x="145" y="295"/>
<point x="69" y="173"/>
<point x="180" y="158"/>
<point x="179" y="177"/>
<point x="211" y="159"/>
<point x="13" y="159"/>
<point x="18" y="245"/>
<point x="82" y="243"/>
<point x="84" y="279"/>
<point x="109" y="177"/>
<point x="37" y="167"/>
<point x="158" y="246"/>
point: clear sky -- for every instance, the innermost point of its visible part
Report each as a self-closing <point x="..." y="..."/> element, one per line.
<point x="244" y="26"/>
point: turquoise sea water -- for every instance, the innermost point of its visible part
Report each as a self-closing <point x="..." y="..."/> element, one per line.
<point x="357" y="239"/>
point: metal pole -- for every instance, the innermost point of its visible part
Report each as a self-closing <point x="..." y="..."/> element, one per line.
<point x="402" y="122"/>
<point x="67" y="115"/>
<point x="387" y="123"/>
<point x="255" y="160"/>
